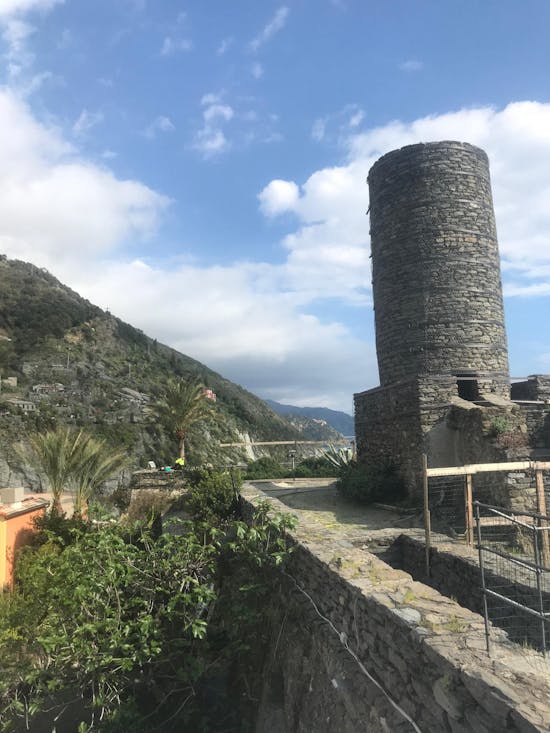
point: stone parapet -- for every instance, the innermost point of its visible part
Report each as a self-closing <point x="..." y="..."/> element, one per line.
<point x="361" y="645"/>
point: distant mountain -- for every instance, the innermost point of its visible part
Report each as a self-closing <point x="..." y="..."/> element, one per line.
<point x="340" y="421"/>
<point x="64" y="360"/>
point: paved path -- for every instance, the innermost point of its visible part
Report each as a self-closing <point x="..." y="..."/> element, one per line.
<point x="320" y="502"/>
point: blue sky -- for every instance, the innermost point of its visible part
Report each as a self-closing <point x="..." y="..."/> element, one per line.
<point x="199" y="167"/>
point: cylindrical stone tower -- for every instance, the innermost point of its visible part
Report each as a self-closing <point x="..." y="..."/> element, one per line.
<point x="436" y="269"/>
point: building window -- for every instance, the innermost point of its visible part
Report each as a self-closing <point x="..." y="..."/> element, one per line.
<point x="468" y="388"/>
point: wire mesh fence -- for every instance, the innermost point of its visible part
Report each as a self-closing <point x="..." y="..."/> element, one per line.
<point x="514" y="559"/>
<point x="449" y="494"/>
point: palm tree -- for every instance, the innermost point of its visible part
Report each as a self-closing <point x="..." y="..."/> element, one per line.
<point x="93" y="464"/>
<point x="53" y="453"/>
<point x="184" y="405"/>
<point x="69" y="459"/>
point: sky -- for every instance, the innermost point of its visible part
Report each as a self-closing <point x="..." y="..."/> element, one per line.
<point x="199" y="168"/>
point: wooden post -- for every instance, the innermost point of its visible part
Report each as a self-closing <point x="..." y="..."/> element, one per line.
<point x="427" y="523"/>
<point x="469" y="509"/>
<point x="541" y="509"/>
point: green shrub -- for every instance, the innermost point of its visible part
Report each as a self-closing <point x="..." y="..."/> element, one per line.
<point x="57" y="528"/>
<point x="213" y="495"/>
<point x="367" y="483"/>
<point x="265" y="467"/>
<point x="314" y="467"/>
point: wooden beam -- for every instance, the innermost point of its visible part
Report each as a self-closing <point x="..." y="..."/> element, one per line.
<point x="488" y="467"/>
<point x="427" y="518"/>
<point x="468" y="504"/>
<point x="541" y="509"/>
<point x="286" y="442"/>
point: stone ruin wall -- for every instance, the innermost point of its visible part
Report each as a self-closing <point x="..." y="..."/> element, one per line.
<point x="352" y="632"/>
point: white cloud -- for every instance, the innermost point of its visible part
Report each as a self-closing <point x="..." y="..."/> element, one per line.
<point x="278" y="197"/>
<point x="19" y="7"/>
<point x="411" y="65"/>
<point x="16" y="33"/>
<point x="232" y="319"/>
<point x="159" y="124"/>
<point x="86" y="121"/>
<point x="211" y="140"/>
<point x="224" y="46"/>
<point x="257" y="70"/>
<point x="337" y="126"/>
<point x="213" y="112"/>
<point x="356" y="118"/>
<point x="56" y="208"/>
<point x="276" y="24"/>
<point x="318" y="129"/>
<point x="171" y="46"/>
<point x="211" y="98"/>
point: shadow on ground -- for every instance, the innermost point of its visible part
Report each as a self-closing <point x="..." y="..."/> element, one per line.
<point x="320" y="499"/>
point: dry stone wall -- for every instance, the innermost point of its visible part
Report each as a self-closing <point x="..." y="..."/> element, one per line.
<point x="362" y="646"/>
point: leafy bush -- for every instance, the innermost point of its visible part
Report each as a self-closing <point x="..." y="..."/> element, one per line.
<point x="265" y="467"/>
<point x="366" y="483"/>
<point x="57" y="528"/>
<point x="314" y="467"/>
<point x="125" y="619"/>
<point x="213" y="495"/>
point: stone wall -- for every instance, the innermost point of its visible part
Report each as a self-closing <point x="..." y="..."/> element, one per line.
<point x="454" y="571"/>
<point x="362" y="646"/>
<point x="535" y="387"/>
<point x="387" y="426"/>
<point x="436" y="270"/>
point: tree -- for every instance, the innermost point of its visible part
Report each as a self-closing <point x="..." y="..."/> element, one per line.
<point x="75" y="460"/>
<point x="54" y="453"/>
<point x="184" y="405"/>
<point x="94" y="462"/>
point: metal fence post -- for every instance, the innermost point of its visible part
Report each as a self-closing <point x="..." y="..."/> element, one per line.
<point x="538" y="572"/>
<point x="483" y="588"/>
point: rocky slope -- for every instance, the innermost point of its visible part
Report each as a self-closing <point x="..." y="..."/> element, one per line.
<point x="64" y="360"/>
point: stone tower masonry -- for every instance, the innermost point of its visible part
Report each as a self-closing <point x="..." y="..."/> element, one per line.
<point x="440" y="333"/>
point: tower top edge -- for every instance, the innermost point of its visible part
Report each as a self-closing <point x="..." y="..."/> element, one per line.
<point x="418" y="150"/>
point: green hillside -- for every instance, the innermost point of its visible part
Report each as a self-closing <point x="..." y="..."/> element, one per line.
<point x="80" y="365"/>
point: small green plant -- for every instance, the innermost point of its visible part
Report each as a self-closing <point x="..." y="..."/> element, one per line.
<point x="340" y="458"/>
<point x="456" y="625"/>
<point x="499" y="426"/>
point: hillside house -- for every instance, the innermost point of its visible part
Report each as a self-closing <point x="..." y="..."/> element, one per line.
<point x="25" y="405"/>
<point x="17" y="514"/>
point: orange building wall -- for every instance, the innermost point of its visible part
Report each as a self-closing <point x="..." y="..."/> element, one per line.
<point x="14" y="533"/>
